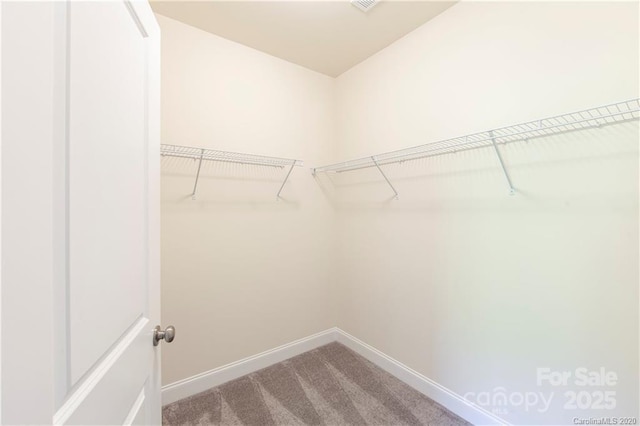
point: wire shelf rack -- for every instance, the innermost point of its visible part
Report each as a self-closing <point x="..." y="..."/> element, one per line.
<point x="201" y="154"/>
<point x="579" y="120"/>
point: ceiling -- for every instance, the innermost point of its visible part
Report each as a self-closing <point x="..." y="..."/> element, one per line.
<point x="326" y="36"/>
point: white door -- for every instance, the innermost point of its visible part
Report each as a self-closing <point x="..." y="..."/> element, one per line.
<point x="80" y="213"/>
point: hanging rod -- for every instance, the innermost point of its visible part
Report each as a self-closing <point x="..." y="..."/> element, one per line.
<point x="589" y="118"/>
<point x="200" y="154"/>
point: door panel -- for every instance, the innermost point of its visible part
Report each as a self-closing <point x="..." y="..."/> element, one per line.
<point x="107" y="179"/>
<point x="112" y="206"/>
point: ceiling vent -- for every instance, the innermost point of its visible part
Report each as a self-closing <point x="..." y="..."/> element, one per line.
<point x="364" y="5"/>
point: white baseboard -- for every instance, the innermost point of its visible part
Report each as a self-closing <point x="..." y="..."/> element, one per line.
<point x="212" y="378"/>
<point x="443" y="396"/>
<point x="449" y="399"/>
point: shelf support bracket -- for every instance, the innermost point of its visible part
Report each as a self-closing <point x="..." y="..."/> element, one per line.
<point x="504" y="169"/>
<point x="384" y="176"/>
<point x="285" y="179"/>
<point x="195" y="185"/>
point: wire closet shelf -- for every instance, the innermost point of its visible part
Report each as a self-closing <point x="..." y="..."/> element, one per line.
<point x="589" y="118"/>
<point x="201" y="154"/>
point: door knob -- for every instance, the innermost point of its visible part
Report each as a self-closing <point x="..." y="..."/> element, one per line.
<point x="168" y="334"/>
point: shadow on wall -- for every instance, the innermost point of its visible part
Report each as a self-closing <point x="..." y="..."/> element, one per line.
<point x="223" y="183"/>
<point x="541" y="170"/>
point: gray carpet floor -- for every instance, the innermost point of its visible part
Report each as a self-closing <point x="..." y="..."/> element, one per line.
<point x="330" y="385"/>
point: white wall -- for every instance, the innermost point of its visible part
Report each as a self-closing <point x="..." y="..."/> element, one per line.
<point x="462" y="282"/>
<point x="241" y="272"/>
